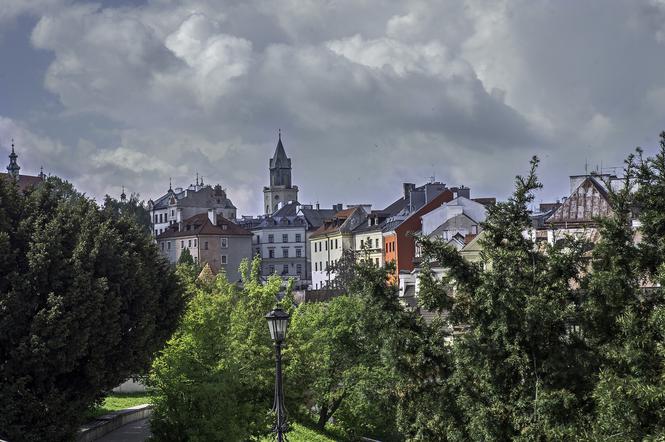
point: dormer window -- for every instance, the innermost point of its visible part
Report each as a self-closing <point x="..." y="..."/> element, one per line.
<point x="224" y="226"/>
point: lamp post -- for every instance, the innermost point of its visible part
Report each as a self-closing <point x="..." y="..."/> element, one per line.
<point x="278" y="321"/>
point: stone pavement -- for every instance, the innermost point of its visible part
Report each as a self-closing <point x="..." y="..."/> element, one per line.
<point x="137" y="431"/>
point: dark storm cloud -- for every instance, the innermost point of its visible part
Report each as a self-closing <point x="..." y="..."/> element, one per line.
<point x="368" y="93"/>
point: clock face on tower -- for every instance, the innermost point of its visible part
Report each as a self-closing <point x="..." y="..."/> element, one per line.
<point x="276" y="197"/>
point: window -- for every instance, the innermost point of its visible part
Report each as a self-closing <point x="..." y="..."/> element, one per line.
<point x="225" y="259"/>
<point x="271" y="253"/>
<point x="336" y="246"/>
<point x="326" y="245"/>
<point x="316" y="266"/>
<point x="225" y="243"/>
<point x="376" y="243"/>
<point x="285" y="237"/>
<point x="156" y="232"/>
<point x="271" y="238"/>
<point x="182" y="244"/>
<point x="168" y="245"/>
<point x="162" y="245"/>
<point x="285" y="252"/>
<point x="224" y="227"/>
<point x="160" y="217"/>
<point x="298" y="237"/>
<point x="362" y="243"/>
<point x="271" y="269"/>
<point x="156" y="218"/>
<point x="299" y="269"/>
<point x="298" y="252"/>
<point x="285" y="269"/>
<point x="189" y="243"/>
<point x="205" y="245"/>
<point x="194" y="243"/>
<point x="377" y="262"/>
<point x="172" y="212"/>
<point x="196" y="259"/>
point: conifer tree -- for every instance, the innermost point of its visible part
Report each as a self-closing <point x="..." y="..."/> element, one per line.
<point x="85" y="301"/>
<point x="518" y="370"/>
<point x="625" y="324"/>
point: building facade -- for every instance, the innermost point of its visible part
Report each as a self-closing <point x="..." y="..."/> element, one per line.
<point x="180" y="204"/>
<point x="281" y="189"/>
<point x="328" y="243"/>
<point x="281" y="242"/>
<point x="211" y="239"/>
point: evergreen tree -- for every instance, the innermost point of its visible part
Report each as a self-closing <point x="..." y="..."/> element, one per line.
<point x="518" y="372"/>
<point x="624" y="323"/>
<point x="186" y="258"/>
<point x="85" y="301"/>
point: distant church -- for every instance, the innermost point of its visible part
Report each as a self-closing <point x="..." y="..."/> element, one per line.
<point x="24" y="182"/>
<point x="281" y="190"/>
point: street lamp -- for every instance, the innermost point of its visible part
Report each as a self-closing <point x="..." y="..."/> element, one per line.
<point x="278" y="321"/>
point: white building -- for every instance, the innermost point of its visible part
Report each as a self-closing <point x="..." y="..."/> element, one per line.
<point x="180" y="204"/>
<point x="328" y="243"/>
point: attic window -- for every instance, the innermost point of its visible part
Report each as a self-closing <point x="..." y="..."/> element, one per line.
<point x="224" y="226"/>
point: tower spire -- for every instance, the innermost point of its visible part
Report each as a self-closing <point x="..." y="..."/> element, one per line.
<point x="13" y="167"/>
<point x="170" y="184"/>
<point x="123" y="197"/>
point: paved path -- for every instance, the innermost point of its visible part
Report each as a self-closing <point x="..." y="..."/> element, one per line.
<point x="133" y="432"/>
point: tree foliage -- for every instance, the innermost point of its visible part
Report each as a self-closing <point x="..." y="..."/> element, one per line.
<point x="336" y="368"/>
<point x="626" y="322"/>
<point x="85" y="301"/>
<point x="214" y="380"/>
<point x="133" y="207"/>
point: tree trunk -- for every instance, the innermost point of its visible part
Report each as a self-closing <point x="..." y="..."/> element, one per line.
<point x="323" y="417"/>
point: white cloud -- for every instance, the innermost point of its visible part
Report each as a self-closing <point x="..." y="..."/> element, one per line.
<point x="403" y="88"/>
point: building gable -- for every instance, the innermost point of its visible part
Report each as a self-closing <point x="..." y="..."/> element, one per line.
<point x="587" y="202"/>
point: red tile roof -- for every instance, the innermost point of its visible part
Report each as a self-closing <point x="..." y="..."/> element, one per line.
<point x="25" y="181"/>
<point x="201" y="225"/>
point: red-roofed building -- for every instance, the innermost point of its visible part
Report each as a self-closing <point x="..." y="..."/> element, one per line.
<point x="211" y="239"/>
<point x="328" y="243"/>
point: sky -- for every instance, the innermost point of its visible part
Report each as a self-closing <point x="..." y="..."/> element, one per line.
<point x="368" y="93"/>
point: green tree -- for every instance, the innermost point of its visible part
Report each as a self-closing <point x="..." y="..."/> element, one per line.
<point x="518" y="372"/>
<point x="85" y="302"/>
<point x="624" y="323"/>
<point x="186" y="258"/>
<point x="133" y="207"/>
<point x="335" y="367"/>
<point x="214" y="380"/>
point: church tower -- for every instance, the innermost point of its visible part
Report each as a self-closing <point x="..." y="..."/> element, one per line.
<point x="281" y="189"/>
<point x="13" y="167"/>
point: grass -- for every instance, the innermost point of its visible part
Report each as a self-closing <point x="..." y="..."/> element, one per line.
<point x="118" y="401"/>
<point x="307" y="433"/>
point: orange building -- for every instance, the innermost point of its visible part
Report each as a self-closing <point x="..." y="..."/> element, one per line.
<point x="399" y="245"/>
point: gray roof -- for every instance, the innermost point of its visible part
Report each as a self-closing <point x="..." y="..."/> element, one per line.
<point x="315" y="217"/>
<point x="207" y="196"/>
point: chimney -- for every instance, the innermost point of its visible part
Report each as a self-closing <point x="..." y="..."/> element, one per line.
<point x="317" y="206"/>
<point x="212" y="216"/>
<point x="408" y="188"/>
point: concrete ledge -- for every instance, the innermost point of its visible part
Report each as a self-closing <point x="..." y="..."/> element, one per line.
<point x="109" y="422"/>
